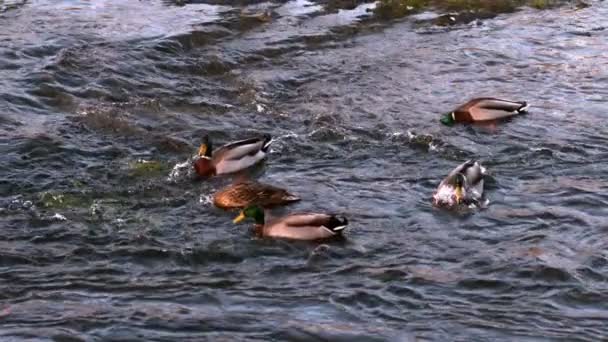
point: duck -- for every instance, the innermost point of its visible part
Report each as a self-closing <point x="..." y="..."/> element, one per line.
<point x="245" y="193"/>
<point x="463" y="185"/>
<point x="306" y="226"/>
<point x="484" y="109"/>
<point x="233" y="157"/>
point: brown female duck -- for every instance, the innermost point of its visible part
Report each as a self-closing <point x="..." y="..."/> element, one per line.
<point x="247" y="193"/>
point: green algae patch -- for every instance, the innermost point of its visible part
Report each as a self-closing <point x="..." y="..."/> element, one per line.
<point x="389" y="9"/>
<point x="147" y="168"/>
<point x="63" y="200"/>
<point x="493" y="6"/>
<point x="542" y="4"/>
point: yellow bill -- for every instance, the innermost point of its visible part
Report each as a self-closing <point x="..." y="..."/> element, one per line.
<point x="239" y="218"/>
<point x="458" y="194"/>
<point x="202" y="150"/>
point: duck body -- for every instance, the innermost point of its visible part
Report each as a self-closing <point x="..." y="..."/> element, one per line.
<point x="306" y="226"/>
<point x="232" y="157"/>
<point x="463" y="185"/>
<point x="247" y="193"/>
<point x="484" y="109"/>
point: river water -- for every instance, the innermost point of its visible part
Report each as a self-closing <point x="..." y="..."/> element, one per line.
<point x="106" y="236"/>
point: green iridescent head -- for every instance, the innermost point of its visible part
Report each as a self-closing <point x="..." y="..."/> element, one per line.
<point x="253" y="212"/>
<point x="448" y="119"/>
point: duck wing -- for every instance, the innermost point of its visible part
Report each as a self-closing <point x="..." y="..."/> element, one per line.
<point x="475" y="192"/>
<point x="242" y="148"/>
<point x="238" y="195"/>
<point x="307" y="226"/>
<point x="247" y="193"/>
<point x="474" y="174"/>
<point x="472" y="171"/>
<point x="491" y="109"/>
<point x="450" y="179"/>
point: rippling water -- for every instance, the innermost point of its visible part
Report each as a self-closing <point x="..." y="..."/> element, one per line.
<point x="104" y="237"/>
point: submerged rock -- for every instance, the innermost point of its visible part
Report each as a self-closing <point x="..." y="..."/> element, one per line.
<point x="458" y="11"/>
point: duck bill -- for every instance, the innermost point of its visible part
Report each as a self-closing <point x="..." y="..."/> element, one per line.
<point x="202" y="151"/>
<point x="239" y="218"/>
<point x="458" y="194"/>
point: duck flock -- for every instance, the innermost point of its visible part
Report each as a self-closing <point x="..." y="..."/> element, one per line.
<point x="462" y="187"/>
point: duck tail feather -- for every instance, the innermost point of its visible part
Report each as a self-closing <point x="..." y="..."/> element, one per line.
<point x="339" y="228"/>
<point x="337" y="224"/>
<point x="524" y="107"/>
<point x="291" y="198"/>
<point x="267" y="141"/>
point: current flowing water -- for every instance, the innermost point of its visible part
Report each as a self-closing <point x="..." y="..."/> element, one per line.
<point x="106" y="236"/>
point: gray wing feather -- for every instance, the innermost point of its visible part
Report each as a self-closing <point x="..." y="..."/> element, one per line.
<point x="485" y="114"/>
<point x="449" y="179"/>
<point x="306" y="219"/>
<point x="476" y="191"/>
<point x="300" y="227"/>
<point x="237" y="152"/>
<point x="510" y="106"/>
<point x="492" y="109"/>
<point x="474" y="174"/>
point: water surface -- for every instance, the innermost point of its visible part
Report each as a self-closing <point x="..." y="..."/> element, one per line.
<point x="105" y="237"/>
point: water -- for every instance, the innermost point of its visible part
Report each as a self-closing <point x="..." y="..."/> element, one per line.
<point x="104" y="237"/>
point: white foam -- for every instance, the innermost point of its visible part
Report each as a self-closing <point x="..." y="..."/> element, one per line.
<point x="444" y="195"/>
<point x="59" y="217"/>
<point x="180" y="170"/>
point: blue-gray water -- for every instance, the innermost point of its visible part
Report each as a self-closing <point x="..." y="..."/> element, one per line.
<point x="104" y="237"/>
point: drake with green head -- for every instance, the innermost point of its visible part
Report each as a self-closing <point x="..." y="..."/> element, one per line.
<point x="232" y="157"/>
<point x="484" y="109"/>
<point x="309" y="227"/>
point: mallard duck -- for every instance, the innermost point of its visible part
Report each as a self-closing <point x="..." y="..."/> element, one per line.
<point x="232" y="157"/>
<point x="464" y="185"/>
<point x="246" y="193"/>
<point x="484" y="109"/>
<point x="295" y="226"/>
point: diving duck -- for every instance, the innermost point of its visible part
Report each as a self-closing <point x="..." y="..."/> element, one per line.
<point x="484" y="109"/>
<point x="308" y="227"/>
<point x="232" y="157"/>
<point x="246" y="193"/>
<point x="464" y="185"/>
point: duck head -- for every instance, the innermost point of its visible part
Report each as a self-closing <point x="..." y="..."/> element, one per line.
<point x="254" y="212"/>
<point x="206" y="148"/>
<point x="448" y="119"/>
<point x="203" y="165"/>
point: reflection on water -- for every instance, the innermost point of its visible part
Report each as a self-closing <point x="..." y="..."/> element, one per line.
<point x="106" y="235"/>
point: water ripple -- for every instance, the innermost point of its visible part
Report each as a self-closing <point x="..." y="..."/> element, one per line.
<point x="107" y="234"/>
